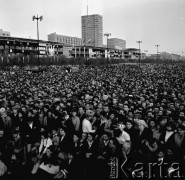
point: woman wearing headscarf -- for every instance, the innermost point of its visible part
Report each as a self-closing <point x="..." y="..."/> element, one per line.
<point x="144" y="136"/>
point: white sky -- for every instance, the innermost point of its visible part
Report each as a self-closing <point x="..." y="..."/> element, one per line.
<point x="151" y="21"/>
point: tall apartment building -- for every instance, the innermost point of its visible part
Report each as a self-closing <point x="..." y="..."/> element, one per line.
<point x="92" y="30"/>
<point x="4" y="33"/>
<point x="116" y="43"/>
<point x="66" y="40"/>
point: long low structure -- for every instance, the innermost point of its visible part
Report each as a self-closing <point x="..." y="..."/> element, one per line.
<point x="14" y="45"/>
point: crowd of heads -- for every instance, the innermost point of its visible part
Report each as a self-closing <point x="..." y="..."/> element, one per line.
<point x="57" y="117"/>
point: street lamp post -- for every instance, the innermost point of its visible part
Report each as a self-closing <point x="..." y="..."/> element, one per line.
<point x="139" y="42"/>
<point x="107" y="34"/>
<point x="157" y="45"/>
<point x="38" y="18"/>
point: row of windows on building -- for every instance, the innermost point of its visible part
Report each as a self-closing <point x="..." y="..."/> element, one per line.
<point x="69" y="40"/>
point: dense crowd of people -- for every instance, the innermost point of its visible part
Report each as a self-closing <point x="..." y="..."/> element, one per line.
<point x="65" y="125"/>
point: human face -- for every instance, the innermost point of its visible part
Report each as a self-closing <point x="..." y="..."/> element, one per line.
<point x="105" y="137"/>
<point x="70" y="156"/>
<point x="75" y="138"/>
<point x="29" y="114"/>
<point x="89" y="137"/>
<point x="106" y="108"/>
<point x="14" y="111"/>
<point x="180" y="131"/>
<point x="84" y="135"/>
<point x="61" y="132"/>
<point x="181" y="114"/>
<point x="169" y="128"/>
<point x="152" y="124"/>
<point x="141" y="127"/>
<point x="115" y="101"/>
<point x="128" y="125"/>
<point x="48" y="152"/>
<point x="20" y="115"/>
<point x="45" y="110"/>
<point x="81" y="110"/>
<point x="112" y="116"/>
<point x="74" y="113"/>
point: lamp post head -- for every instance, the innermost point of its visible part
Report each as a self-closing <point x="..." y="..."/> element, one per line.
<point x="33" y="18"/>
<point x="41" y="18"/>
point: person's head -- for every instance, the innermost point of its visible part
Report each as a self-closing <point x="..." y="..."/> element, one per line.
<point x="170" y="126"/>
<point x="106" y="136"/>
<point x="112" y="143"/>
<point x="44" y="135"/>
<point x="20" y="114"/>
<point x="50" y="151"/>
<point x="46" y="108"/>
<point x="4" y="114"/>
<point x="168" y="112"/>
<point x="84" y="136"/>
<point x="89" y="114"/>
<point x="152" y="123"/>
<point x="106" y="108"/>
<point x="54" y="131"/>
<point x="90" y="136"/>
<point x="87" y="106"/>
<point x="160" y="112"/>
<point x="81" y="110"/>
<point x="181" y="129"/>
<point x="129" y="124"/>
<point x="117" y="132"/>
<point x="164" y="120"/>
<point x="70" y="155"/>
<point x="114" y="101"/>
<point x="15" y="135"/>
<point x="74" y="112"/>
<point x="61" y="131"/>
<point x="181" y="114"/>
<point x="130" y="114"/>
<point x="112" y="116"/>
<point x="181" y="107"/>
<point x="15" y="110"/>
<point x="160" y="153"/>
<point x="23" y="109"/>
<point x="103" y="115"/>
<point x="30" y="113"/>
<point x="75" y="138"/>
<point x="13" y="157"/>
<point x="142" y="125"/>
<point x="150" y="114"/>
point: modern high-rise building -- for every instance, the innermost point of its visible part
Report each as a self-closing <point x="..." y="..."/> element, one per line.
<point x="66" y="40"/>
<point x="116" y="43"/>
<point x="92" y="30"/>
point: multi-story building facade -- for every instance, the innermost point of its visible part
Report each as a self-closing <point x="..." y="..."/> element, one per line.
<point x="4" y="33"/>
<point x="66" y="40"/>
<point x="116" y="43"/>
<point x="92" y="30"/>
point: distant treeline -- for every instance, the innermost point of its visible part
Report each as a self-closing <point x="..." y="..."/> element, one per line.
<point x="62" y="60"/>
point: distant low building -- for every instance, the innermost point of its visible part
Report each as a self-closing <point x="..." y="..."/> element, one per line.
<point x="116" y="43"/>
<point x="4" y="33"/>
<point x="66" y="40"/>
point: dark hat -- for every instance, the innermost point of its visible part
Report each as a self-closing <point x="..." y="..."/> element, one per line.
<point x="180" y="126"/>
<point x="171" y="124"/>
<point x="129" y="121"/>
<point x="103" y="113"/>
